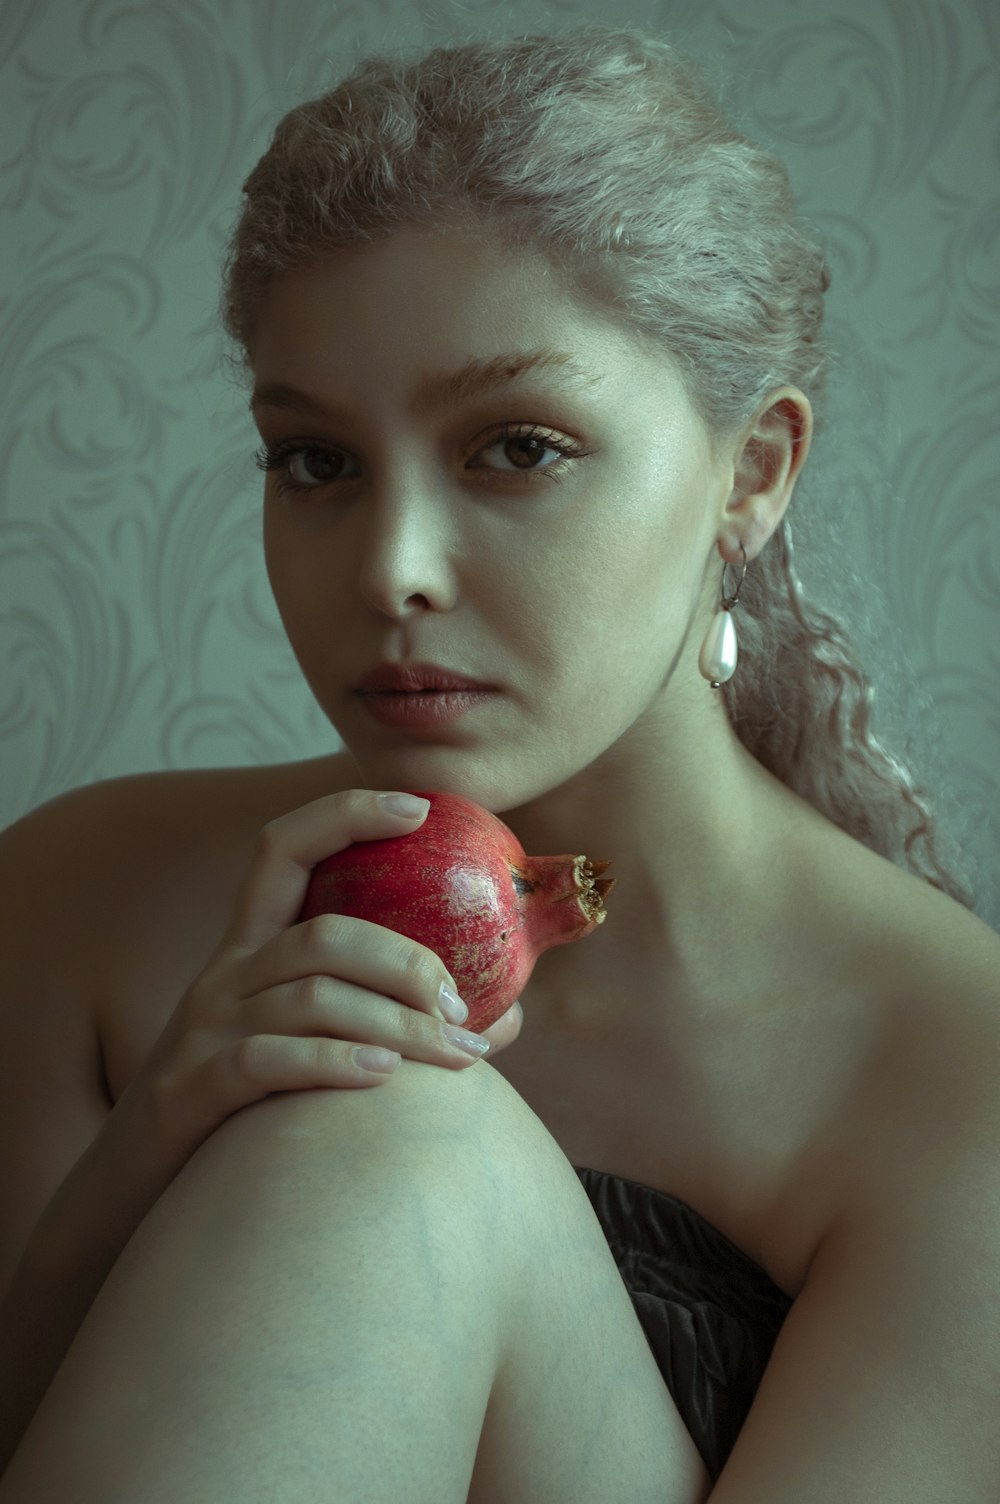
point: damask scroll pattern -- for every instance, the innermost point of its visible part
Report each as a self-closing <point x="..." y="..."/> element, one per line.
<point x="887" y="114"/>
<point x="136" y="624"/>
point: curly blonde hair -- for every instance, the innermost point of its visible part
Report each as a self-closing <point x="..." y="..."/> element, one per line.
<point x="602" y="148"/>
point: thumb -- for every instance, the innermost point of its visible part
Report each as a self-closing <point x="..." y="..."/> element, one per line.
<point x="506" y="1029"/>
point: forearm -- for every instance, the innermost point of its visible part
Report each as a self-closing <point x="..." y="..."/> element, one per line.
<point x="39" y="1317"/>
<point x="70" y="1253"/>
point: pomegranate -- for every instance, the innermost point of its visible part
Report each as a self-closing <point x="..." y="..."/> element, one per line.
<point x="462" y="885"/>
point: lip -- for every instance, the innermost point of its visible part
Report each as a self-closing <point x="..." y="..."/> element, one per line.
<point x="431" y="708"/>
<point x="410" y="678"/>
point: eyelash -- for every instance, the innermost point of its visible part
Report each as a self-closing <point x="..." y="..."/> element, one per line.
<point x="275" y="457"/>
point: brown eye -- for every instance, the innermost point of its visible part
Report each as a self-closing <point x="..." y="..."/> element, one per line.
<point x="523" y="447"/>
<point x="312" y="466"/>
<point x="307" y="467"/>
<point x="300" y="467"/>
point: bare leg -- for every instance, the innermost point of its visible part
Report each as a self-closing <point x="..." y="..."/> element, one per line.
<point x="348" y="1296"/>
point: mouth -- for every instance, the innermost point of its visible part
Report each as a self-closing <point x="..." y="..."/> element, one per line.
<point x="417" y="678"/>
<point x="426" y="709"/>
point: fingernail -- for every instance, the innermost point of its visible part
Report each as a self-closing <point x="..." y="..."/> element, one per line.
<point x="371" y="1058"/>
<point x="470" y="1043"/>
<point x="451" y="1005"/>
<point x="406" y="805"/>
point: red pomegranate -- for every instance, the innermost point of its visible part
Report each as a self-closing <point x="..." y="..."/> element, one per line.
<point x="462" y="885"/>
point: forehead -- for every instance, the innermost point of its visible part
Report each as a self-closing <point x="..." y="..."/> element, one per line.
<point x="451" y="313"/>
<point x="441" y="391"/>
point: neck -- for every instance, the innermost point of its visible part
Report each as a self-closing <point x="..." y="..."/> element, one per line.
<point x="698" y="834"/>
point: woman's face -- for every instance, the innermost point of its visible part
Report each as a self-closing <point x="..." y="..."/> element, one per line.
<point x="419" y="530"/>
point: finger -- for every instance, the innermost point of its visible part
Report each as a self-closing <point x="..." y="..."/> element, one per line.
<point x="261" y="1064"/>
<point x="274" y="887"/>
<point x="347" y="949"/>
<point x="322" y="1008"/>
<point x="506" y="1029"/>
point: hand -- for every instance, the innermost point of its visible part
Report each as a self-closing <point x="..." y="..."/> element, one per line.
<point x="282" y="1006"/>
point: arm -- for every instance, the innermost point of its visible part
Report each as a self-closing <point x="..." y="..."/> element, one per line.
<point x="76" y="1180"/>
<point x="61" y="1229"/>
<point x="884" y="1385"/>
<point x="273" y="1011"/>
<point x="68" y="1256"/>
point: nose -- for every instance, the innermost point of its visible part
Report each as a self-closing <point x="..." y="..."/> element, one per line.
<point x="407" y="549"/>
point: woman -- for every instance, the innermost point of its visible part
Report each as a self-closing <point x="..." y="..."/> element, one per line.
<point x="771" y="1074"/>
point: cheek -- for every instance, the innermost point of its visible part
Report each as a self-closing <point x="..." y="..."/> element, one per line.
<point x="278" y="555"/>
<point x="618" y="567"/>
<point x="301" y="579"/>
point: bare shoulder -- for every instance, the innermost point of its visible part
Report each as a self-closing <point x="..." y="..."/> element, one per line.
<point x="933" y="1106"/>
<point x="920" y="1161"/>
<point x="941" y="987"/>
<point x="120" y="846"/>
<point x="895" y="1026"/>
<point x="138" y="875"/>
<point x="887" y="1360"/>
<point x="933" y="1057"/>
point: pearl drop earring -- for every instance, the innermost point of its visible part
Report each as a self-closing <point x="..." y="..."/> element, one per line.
<point x="719" y="651"/>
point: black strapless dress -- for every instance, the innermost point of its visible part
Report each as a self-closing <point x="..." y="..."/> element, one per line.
<point x="710" y="1314"/>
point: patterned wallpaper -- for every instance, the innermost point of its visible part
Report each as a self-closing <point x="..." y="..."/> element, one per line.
<point x="137" y="629"/>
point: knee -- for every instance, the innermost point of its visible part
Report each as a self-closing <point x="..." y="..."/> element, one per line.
<point x="423" y="1121"/>
<point x="466" y="1140"/>
<point x="471" y="1122"/>
<point x="420" y="1113"/>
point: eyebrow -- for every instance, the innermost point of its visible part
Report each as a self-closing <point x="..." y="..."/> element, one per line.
<point x="443" y="389"/>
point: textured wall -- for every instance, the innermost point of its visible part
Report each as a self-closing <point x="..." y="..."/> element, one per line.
<point x="136" y="625"/>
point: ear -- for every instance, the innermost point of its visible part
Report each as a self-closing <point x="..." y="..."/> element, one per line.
<point x="770" y="453"/>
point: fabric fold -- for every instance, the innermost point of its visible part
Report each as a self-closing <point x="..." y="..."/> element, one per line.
<point x="710" y="1314"/>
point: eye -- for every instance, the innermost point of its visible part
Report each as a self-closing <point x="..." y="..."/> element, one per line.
<point x="529" y="444"/>
<point x="307" y="467"/>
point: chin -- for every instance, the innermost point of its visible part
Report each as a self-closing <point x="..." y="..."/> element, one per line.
<point x="494" y="783"/>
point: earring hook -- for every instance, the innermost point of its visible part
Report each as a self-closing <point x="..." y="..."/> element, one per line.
<point x="729" y="601"/>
